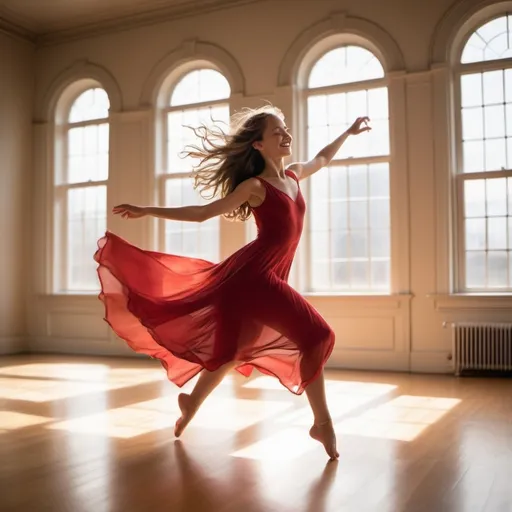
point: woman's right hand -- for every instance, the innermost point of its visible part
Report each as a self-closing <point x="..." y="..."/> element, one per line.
<point x="129" y="211"/>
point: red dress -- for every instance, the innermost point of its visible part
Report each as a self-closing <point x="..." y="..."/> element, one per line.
<point x="192" y="314"/>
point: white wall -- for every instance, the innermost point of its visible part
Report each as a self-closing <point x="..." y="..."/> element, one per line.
<point x="403" y="331"/>
<point x="16" y="97"/>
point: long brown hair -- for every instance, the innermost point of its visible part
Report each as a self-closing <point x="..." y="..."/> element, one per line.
<point x="228" y="159"/>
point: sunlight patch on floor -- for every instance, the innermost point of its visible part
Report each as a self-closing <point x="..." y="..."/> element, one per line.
<point x="229" y="414"/>
<point x="402" y="419"/>
<point x="285" y="445"/>
<point x="10" y="420"/>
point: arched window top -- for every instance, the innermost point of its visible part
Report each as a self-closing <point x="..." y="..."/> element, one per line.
<point x="89" y="105"/>
<point x="344" y="65"/>
<point x="491" y="41"/>
<point x="199" y="86"/>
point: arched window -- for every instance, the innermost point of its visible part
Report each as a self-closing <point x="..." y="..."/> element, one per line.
<point x="349" y="203"/>
<point x="80" y="185"/>
<point x="199" y="97"/>
<point x="484" y="159"/>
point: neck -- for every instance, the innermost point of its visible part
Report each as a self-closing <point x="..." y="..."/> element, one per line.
<point x="274" y="167"/>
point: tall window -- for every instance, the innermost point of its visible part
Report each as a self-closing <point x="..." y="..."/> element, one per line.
<point x="484" y="170"/>
<point x="200" y="97"/>
<point x="349" y="206"/>
<point x="81" y="190"/>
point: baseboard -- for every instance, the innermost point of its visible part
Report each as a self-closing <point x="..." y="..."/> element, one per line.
<point x="375" y="360"/>
<point x="12" y="345"/>
<point x="431" y="362"/>
<point x="80" y="346"/>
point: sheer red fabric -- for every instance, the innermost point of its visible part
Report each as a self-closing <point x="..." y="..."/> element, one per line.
<point x="193" y="315"/>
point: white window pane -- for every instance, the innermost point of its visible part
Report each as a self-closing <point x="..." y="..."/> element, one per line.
<point x="472" y="123"/>
<point x="379" y="213"/>
<point x="343" y="65"/>
<point x="338" y="185"/>
<point x="200" y="86"/>
<point x="187" y="239"/>
<point x="380" y="271"/>
<point x="509" y="194"/>
<point x="380" y="243"/>
<point x="358" y="181"/>
<point x="341" y="274"/>
<point x="360" y="271"/>
<point x="495" y="155"/>
<point x="508" y="118"/>
<point x="494" y="121"/>
<point x="474" y="198"/>
<point x="91" y="104"/>
<point x="320" y="275"/>
<point x="358" y="214"/>
<point x="491" y="41"/>
<point x="340" y="244"/>
<point x="357" y="103"/>
<point x="320" y="245"/>
<point x="493" y="87"/>
<point x="378" y="104"/>
<point x="497" y="233"/>
<point x="497" y="269"/>
<point x="378" y="138"/>
<point x="510" y="237"/>
<point x="379" y="180"/>
<point x="509" y="153"/>
<point x="473" y="152"/>
<point x="508" y="85"/>
<point x="317" y="139"/>
<point x="496" y="195"/>
<point x="358" y="244"/>
<point x="471" y="90"/>
<point x="475" y="234"/>
<point x="87" y="160"/>
<point x="337" y="110"/>
<point x="86" y="223"/>
<point x="339" y="215"/>
<point x="357" y="228"/>
<point x="319" y="214"/>
<point x="317" y="111"/>
<point x="475" y="269"/>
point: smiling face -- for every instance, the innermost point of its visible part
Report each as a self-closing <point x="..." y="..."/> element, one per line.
<point x="277" y="141"/>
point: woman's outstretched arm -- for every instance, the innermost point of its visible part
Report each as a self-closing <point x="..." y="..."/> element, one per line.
<point x="324" y="156"/>
<point x="201" y="213"/>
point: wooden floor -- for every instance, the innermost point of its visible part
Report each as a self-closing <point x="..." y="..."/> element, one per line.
<point x="95" y="434"/>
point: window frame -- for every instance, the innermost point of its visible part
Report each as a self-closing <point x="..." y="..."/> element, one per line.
<point x="60" y="269"/>
<point x="459" y="177"/>
<point x="163" y="175"/>
<point x="305" y="94"/>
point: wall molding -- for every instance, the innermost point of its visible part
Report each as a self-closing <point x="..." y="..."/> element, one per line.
<point x="483" y="303"/>
<point x="141" y="19"/>
<point x="339" y="23"/>
<point x="187" y="52"/>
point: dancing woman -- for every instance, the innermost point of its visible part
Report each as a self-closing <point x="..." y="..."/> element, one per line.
<point x="197" y="316"/>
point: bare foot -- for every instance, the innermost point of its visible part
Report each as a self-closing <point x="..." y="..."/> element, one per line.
<point x="187" y="413"/>
<point x="324" y="433"/>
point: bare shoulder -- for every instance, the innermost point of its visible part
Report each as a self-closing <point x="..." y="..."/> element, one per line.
<point x="297" y="168"/>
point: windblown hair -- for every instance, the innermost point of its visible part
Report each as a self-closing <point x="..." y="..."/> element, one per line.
<point x="228" y="159"/>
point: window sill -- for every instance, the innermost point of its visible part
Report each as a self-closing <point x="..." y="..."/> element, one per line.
<point x="352" y="301"/>
<point x="472" y="301"/>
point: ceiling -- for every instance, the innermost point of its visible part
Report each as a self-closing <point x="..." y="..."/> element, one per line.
<point x="39" y="19"/>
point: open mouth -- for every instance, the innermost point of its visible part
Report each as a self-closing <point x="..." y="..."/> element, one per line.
<point x="285" y="144"/>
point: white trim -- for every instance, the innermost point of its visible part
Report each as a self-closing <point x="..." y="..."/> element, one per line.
<point x="336" y="29"/>
<point x="191" y="54"/>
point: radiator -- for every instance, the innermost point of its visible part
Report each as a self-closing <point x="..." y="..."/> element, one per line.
<point x="481" y="347"/>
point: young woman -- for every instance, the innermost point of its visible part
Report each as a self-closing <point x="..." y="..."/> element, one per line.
<point x="196" y="316"/>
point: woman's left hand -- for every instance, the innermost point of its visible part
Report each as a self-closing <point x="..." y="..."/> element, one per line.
<point x="360" y="125"/>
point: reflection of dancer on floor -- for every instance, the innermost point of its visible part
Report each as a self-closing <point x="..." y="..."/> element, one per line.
<point x="239" y="313"/>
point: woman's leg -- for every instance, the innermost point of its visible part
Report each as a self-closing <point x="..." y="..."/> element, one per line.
<point x="189" y="404"/>
<point x="322" y="429"/>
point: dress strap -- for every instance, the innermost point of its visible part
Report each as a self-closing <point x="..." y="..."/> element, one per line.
<point x="290" y="173"/>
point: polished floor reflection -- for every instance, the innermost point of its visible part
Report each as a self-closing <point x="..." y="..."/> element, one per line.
<point x="95" y="434"/>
